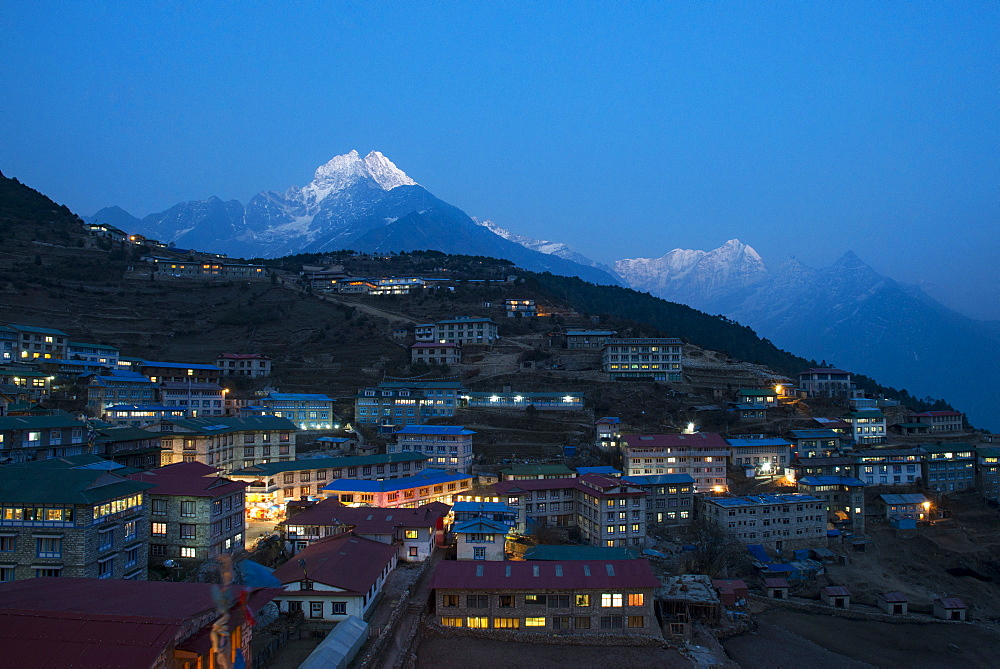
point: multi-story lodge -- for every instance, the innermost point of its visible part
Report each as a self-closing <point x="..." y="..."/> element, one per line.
<point x="566" y="401"/>
<point x="207" y="270"/>
<point x="565" y="597"/>
<point x="197" y="399"/>
<point x="520" y="308"/>
<point x="117" y="388"/>
<point x="703" y="455"/>
<point x="766" y="457"/>
<point x="609" y="433"/>
<point x="244" y="364"/>
<point x="669" y="498"/>
<point x="587" y="339"/>
<point x="446" y="446"/>
<point x="34" y="343"/>
<point x="430" y="353"/>
<point x="393" y="404"/>
<point x="988" y="472"/>
<point x="136" y="415"/>
<point x="32" y="383"/>
<point x="72" y="516"/>
<point x="274" y="484"/>
<point x="226" y="442"/>
<point x="941" y="422"/>
<point x="888" y="466"/>
<point x="179" y="372"/>
<point x="129" y="446"/>
<point x="430" y="485"/>
<point x="816" y="443"/>
<point x="778" y="521"/>
<point x="462" y="330"/>
<point x="101" y="354"/>
<point x="841" y="465"/>
<point x="632" y="358"/>
<point x="867" y="427"/>
<point x="608" y="512"/>
<point x="28" y="438"/>
<point x="826" y="382"/>
<point x="194" y="513"/>
<point x="844" y="497"/>
<point x="309" y="411"/>
<point x="415" y="532"/>
<point x="949" y="467"/>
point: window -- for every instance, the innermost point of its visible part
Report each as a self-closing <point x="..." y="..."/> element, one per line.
<point x="294" y="606"/>
<point x="49" y="572"/>
<point x="477" y="602"/>
<point x="187" y="509"/>
<point x="538" y="600"/>
<point x="449" y="600"/>
<point x="583" y="600"/>
<point x="315" y="609"/>
<point x="188" y="531"/>
<point x="477" y="622"/>
<point x="8" y="544"/>
<point x="338" y="608"/>
<point x="48" y="547"/>
<point x="130" y="530"/>
<point x="611" y="599"/>
<point x="158" y="550"/>
<point x="611" y="622"/>
<point x="558" y="601"/>
<point x="636" y="599"/>
<point x="131" y="557"/>
<point x="159" y="507"/>
<point x="412" y="534"/>
<point x="581" y="623"/>
<point x="159" y="529"/>
<point x="534" y="622"/>
<point x="6" y="574"/>
<point x="506" y="601"/>
<point x="507" y="623"/>
<point x="451" y="622"/>
<point x="106" y="568"/>
<point x="187" y="552"/>
<point x="636" y="621"/>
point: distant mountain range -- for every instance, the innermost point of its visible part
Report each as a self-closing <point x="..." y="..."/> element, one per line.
<point x="847" y="314"/>
<point x="366" y="204"/>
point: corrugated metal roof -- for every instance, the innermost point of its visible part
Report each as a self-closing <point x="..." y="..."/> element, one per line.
<point x="543" y="575"/>
<point x="837" y="591"/>
<point x="265" y="469"/>
<point x="909" y="498"/>
<point x="831" y="480"/>
<point x="428" y="477"/>
<point x="456" y="430"/>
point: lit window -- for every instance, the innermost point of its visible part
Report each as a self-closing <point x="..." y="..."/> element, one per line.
<point x="611" y="599"/>
<point x="534" y="622"/>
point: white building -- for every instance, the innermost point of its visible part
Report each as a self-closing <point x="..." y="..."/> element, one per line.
<point x="446" y="446"/>
<point x="657" y="358"/>
<point x="244" y="364"/>
<point x="777" y="521"/>
<point x="461" y="330"/>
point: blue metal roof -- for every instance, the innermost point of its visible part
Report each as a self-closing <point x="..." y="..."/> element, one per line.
<point x="815" y="434"/>
<point x="831" y="480"/>
<point x="299" y="396"/>
<point x="480" y="526"/>
<point x="740" y="443"/>
<point x="179" y="365"/>
<point x="456" y="430"/>
<point x="607" y="469"/>
<point x="427" y="477"/>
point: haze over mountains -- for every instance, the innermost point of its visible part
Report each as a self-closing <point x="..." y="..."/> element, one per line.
<point x="846" y="314"/>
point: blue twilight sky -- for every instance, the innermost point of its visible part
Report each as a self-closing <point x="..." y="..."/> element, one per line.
<point x="622" y="128"/>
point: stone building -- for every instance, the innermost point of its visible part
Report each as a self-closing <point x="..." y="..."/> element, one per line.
<point x="226" y="442"/>
<point x="72" y="516"/>
<point x="194" y="513"/>
<point x="565" y="597"/>
<point x="776" y="521"/>
<point x="659" y="359"/>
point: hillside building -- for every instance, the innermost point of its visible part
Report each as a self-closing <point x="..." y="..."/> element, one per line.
<point x="101" y="354"/>
<point x="776" y="521"/>
<point x="394" y="404"/>
<point x="116" y="388"/>
<point x="446" y="446"/>
<point x="29" y="438"/>
<point x="948" y="467"/>
<point x="520" y="308"/>
<point x="867" y="427"/>
<point x="253" y="365"/>
<point x="35" y="343"/>
<point x="702" y="455"/>
<point x="826" y="382"/>
<point x="309" y="411"/>
<point x="430" y="353"/>
<point x="669" y="498"/>
<point x="588" y="339"/>
<point x="657" y="358"/>
<point x="565" y="401"/>
<point x="429" y="485"/>
<point x="843" y="496"/>
<point x="767" y="458"/>
<point x="179" y="372"/>
<point x="888" y="466"/>
<point x="463" y="330"/>
<point x="226" y="442"/>
<point x="941" y="422"/>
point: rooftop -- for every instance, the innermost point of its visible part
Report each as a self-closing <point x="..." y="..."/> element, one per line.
<point x="815" y="434"/>
<point x="188" y="479"/>
<point x="906" y="499"/>
<point x="744" y="443"/>
<point x="682" y="441"/>
<point x="367" y="519"/>
<point x="549" y="575"/>
<point x="761" y="500"/>
<point x="480" y="526"/>
<point x="566" y="553"/>
<point x="660" y="479"/>
<point x="455" y="430"/>
<point x="428" y="477"/>
<point x="37" y="422"/>
<point x="830" y="480"/>
<point x="346" y="561"/>
<point x="272" y="468"/>
<point x="64" y="481"/>
<point x="315" y="397"/>
<point x="179" y="365"/>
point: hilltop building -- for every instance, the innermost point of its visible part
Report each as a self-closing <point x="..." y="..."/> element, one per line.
<point x="703" y="455"/>
<point x="657" y="358"/>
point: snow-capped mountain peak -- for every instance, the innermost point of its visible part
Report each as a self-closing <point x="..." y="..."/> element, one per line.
<point x="347" y="169"/>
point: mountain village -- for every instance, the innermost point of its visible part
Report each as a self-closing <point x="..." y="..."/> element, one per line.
<point x="517" y="474"/>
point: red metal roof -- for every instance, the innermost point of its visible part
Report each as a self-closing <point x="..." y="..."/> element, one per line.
<point x="369" y="519"/>
<point x="189" y="479"/>
<point x="928" y="414"/>
<point x="893" y="597"/>
<point x="951" y="602"/>
<point x="345" y="561"/>
<point x="776" y="583"/>
<point x="533" y="575"/>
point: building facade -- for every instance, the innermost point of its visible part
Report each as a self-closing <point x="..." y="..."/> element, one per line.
<point x="430" y="485"/>
<point x="226" y="442"/>
<point x="844" y="498"/>
<point x="446" y="446"/>
<point x="462" y="330"/>
<point x="29" y="438"/>
<point x="776" y="521"/>
<point x="669" y="498"/>
<point x="702" y="455"/>
<point x="587" y="339"/>
<point x="309" y="411"/>
<point x="253" y="365"/>
<point x="657" y="358"/>
<point x="949" y="467"/>
<point x="430" y="353"/>
<point x="826" y="382"/>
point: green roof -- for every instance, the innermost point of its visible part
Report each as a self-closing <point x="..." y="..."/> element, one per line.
<point x="80" y="344"/>
<point x="564" y="553"/>
<point x="31" y="328"/>
<point x="272" y="468"/>
<point x="38" y="422"/>
<point x="757" y="393"/>
<point x="125" y="434"/>
<point x="954" y="447"/>
<point x="865" y="414"/>
<point x="6" y="371"/>
<point x="224" y="424"/>
<point x="55" y="482"/>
